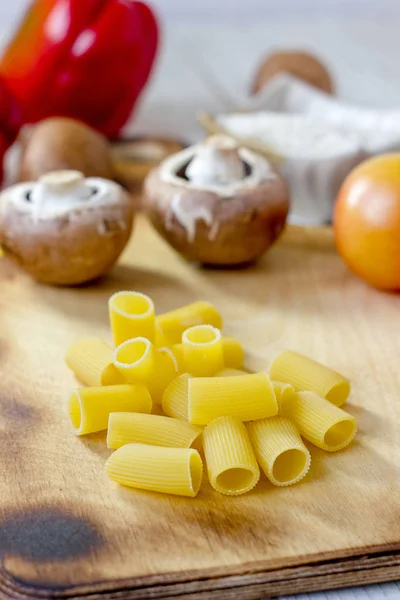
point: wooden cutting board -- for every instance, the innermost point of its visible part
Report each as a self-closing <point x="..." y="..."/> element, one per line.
<point x="67" y="531"/>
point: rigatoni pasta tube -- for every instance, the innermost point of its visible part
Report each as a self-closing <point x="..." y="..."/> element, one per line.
<point x="91" y="360"/>
<point x="165" y="371"/>
<point x="228" y="372"/>
<point x="176" y="471"/>
<point x="89" y="408"/>
<point x="174" y="323"/>
<point x="233" y="353"/>
<point x="131" y="316"/>
<point x="231" y="464"/>
<point x="175" y="398"/>
<point x="279" y="450"/>
<point x="284" y="392"/>
<point x="155" y="430"/>
<point x="247" y="397"/>
<point x="304" y="374"/>
<point x="134" y="359"/>
<point x="202" y="350"/>
<point x="177" y="350"/>
<point x="321" y="422"/>
<point x="160" y="341"/>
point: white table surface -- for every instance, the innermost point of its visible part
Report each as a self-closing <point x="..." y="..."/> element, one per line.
<point x="210" y="51"/>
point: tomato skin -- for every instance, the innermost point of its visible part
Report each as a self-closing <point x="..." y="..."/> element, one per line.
<point x="367" y="221"/>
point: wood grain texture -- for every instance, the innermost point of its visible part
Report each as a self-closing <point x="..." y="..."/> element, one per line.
<point x="66" y="531"/>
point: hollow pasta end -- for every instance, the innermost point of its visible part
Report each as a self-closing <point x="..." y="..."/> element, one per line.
<point x="236" y="480"/>
<point x="290" y="466"/>
<point x="132" y="352"/>
<point x="75" y="412"/>
<point x="201" y="335"/>
<point x="196" y="471"/>
<point x="340" y="434"/>
<point x="131" y="304"/>
<point x="339" y="393"/>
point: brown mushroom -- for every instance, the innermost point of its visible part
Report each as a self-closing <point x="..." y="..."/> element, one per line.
<point x="60" y="143"/>
<point x="300" y="64"/>
<point x="216" y="203"/>
<point x="65" y="229"/>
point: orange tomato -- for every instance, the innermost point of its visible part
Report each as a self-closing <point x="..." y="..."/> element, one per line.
<point x="367" y="221"/>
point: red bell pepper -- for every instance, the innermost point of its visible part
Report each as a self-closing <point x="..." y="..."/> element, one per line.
<point x="10" y="122"/>
<point x="85" y="59"/>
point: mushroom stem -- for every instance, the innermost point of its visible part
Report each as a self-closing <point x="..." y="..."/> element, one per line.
<point x="217" y="161"/>
<point x="61" y="181"/>
<point x="59" y="188"/>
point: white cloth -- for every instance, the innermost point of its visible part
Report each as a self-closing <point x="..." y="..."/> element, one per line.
<point x="319" y="138"/>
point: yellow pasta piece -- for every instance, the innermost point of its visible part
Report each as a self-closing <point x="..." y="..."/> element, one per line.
<point x="321" y="422"/>
<point x="134" y="359"/>
<point x="165" y="371"/>
<point x="304" y="373"/>
<point x="174" y="323"/>
<point x="228" y="372"/>
<point x="168" y="470"/>
<point x="279" y="450"/>
<point x="131" y="316"/>
<point x="89" y="408"/>
<point x="91" y="360"/>
<point x="202" y="350"/>
<point x="284" y="393"/>
<point x="247" y="397"/>
<point x="231" y="464"/>
<point x="233" y="353"/>
<point x="175" y="398"/>
<point x="177" y="350"/>
<point x="126" y="428"/>
<point x="160" y="341"/>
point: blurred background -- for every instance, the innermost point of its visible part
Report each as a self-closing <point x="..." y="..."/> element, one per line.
<point x="211" y="49"/>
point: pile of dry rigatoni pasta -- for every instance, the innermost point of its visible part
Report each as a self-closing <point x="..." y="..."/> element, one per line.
<point x="178" y="361"/>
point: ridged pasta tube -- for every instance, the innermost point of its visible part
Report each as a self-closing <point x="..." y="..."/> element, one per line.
<point x="176" y="471"/>
<point x="91" y="360"/>
<point x="165" y="371"/>
<point x="232" y="351"/>
<point x="321" y="422"/>
<point x="126" y="428"/>
<point x="304" y="374"/>
<point x="279" y="450"/>
<point x="175" y="398"/>
<point x="284" y="393"/>
<point x="131" y="316"/>
<point x="134" y="359"/>
<point x="247" y="397"/>
<point x="174" y="323"/>
<point x="231" y="463"/>
<point x="89" y="408"/>
<point x="229" y="372"/>
<point x="202" y="350"/>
